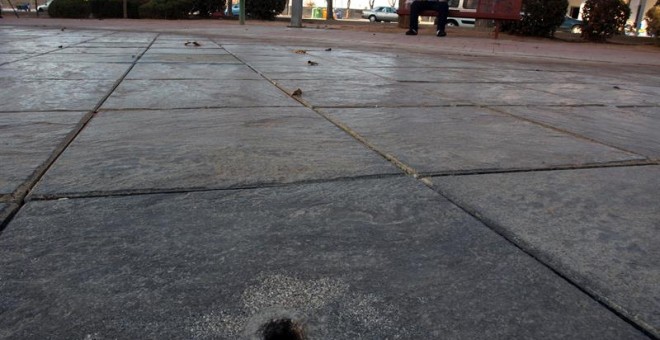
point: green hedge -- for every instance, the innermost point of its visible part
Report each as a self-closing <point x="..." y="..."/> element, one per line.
<point x="166" y="9"/>
<point x="155" y="9"/>
<point x="69" y="9"/>
<point x="115" y="8"/>
<point x="205" y="8"/>
<point x="541" y="18"/>
<point x="264" y="9"/>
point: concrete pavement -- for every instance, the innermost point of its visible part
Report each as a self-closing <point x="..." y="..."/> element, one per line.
<point x="201" y="179"/>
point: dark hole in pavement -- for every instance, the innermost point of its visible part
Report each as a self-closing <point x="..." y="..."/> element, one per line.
<point x="282" y="329"/>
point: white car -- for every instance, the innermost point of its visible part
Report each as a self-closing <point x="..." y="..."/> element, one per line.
<point x="382" y="13"/>
<point x="460" y="22"/>
<point x="44" y="7"/>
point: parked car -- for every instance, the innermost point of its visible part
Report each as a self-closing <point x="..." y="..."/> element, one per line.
<point x="460" y="22"/>
<point x="23" y="7"/>
<point x="44" y="7"/>
<point x="235" y="9"/>
<point x="382" y="13"/>
<point x="570" y="25"/>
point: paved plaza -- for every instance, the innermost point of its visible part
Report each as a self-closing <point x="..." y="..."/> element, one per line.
<point x="198" y="180"/>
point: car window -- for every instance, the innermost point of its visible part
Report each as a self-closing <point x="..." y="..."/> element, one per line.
<point x="470" y="4"/>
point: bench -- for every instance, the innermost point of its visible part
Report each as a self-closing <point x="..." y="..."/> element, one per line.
<point x="498" y="10"/>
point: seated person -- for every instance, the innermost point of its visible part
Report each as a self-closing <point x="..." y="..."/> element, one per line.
<point x="418" y="6"/>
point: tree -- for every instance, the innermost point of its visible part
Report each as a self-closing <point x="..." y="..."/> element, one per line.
<point x="392" y="3"/>
<point x="603" y="19"/>
<point x="653" y="19"/>
<point x="330" y="15"/>
<point x="205" y="7"/>
<point x="264" y="9"/>
<point x="541" y="18"/>
<point x="371" y="4"/>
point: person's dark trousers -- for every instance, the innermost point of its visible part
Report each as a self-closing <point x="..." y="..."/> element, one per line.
<point x="419" y="6"/>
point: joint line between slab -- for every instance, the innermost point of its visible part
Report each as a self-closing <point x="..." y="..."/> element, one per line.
<point x="55" y="50"/>
<point x="390" y="158"/>
<point x="411" y="171"/>
<point x="540" y="258"/>
<point x="616" y="164"/>
<point x="554" y="128"/>
<point x="21" y="194"/>
<point x="136" y="192"/>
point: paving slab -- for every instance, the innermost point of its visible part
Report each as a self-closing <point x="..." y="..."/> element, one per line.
<point x="126" y="37"/>
<point x="492" y="94"/>
<point x="649" y="89"/>
<point x="27" y="140"/>
<point x="247" y="47"/>
<point x="177" y="40"/>
<point x="48" y="95"/>
<point x="435" y="75"/>
<point x="358" y="58"/>
<point x="167" y="150"/>
<point x="353" y="93"/>
<point x="542" y="75"/>
<point x="27" y="69"/>
<point x="648" y="78"/>
<point x="599" y="227"/>
<point x="20" y="48"/>
<point x="274" y="63"/>
<point x="324" y="71"/>
<point x="258" y="49"/>
<point x="183" y="49"/>
<point x="49" y="44"/>
<point x="8" y="58"/>
<point x="597" y="94"/>
<point x="634" y="129"/>
<point x="216" y="72"/>
<point x="6" y="209"/>
<point x="206" y="46"/>
<point x="84" y="58"/>
<point x="102" y="44"/>
<point x="383" y="258"/>
<point x="455" y="139"/>
<point x="196" y="93"/>
<point x="216" y="58"/>
<point x="101" y="50"/>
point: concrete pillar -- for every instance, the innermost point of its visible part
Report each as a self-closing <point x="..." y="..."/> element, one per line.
<point x="296" y="13"/>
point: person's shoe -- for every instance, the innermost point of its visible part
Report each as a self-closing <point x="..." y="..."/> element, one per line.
<point x="411" y="32"/>
<point x="441" y="33"/>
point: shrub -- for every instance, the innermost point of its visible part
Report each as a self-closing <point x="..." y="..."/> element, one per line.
<point x="603" y="19"/>
<point x="166" y="9"/>
<point x="206" y="7"/>
<point x="653" y="20"/>
<point x="114" y="8"/>
<point x="264" y="9"/>
<point x="69" y="9"/>
<point x="541" y="18"/>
